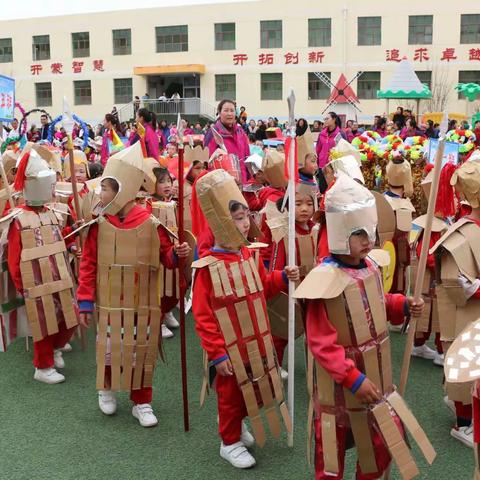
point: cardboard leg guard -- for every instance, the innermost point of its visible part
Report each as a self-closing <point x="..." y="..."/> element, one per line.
<point x="205" y="390"/>
<point x="363" y="441"/>
<point x="329" y="443"/>
<point x="396" y="444"/>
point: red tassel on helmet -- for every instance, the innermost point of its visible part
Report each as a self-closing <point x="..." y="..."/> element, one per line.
<point x="428" y="168"/>
<point x="445" y="204"/>
<point x="20" y="175"/>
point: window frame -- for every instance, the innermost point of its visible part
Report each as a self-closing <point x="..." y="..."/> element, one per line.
<point x="37" y="48"/>
<point x="264" y="82"/>
<point x="412" y="34"/>
<point x="266" y="32"/>
<point x="122" y="98"/>
<point x="361" y="90"/>
<point x="325" y="39"/>
<point x="76" y="98"/>
<point x="182" y="43"/>
<point x="128" y="45"/>
<point x="219" y="37"/>
<point x="6" y="57"/>
<point x="369" y="36"/>
<point x="324" y="91"/>
<point x="37" y="91"/>
<point x="222" y="76"/>
<point x="77" y="50"/>
<point x="463" y="34"/>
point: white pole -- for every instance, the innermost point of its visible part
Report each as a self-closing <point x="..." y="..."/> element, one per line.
<point x="291" y="262"/>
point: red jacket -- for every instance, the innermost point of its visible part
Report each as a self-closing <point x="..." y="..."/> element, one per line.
<point x="322" y="339"/>
<point x="211" y="337"/>
<point x="87" y="280"/>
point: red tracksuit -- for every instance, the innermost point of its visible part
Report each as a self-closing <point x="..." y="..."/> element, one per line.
<point x="87" y="281"/>
<point x="44" y="349"/>
<point x="322" y="342"/>
<point x="231" y="406"/>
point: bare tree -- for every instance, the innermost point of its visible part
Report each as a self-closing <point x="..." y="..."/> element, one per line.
<point x="441" y="88"/>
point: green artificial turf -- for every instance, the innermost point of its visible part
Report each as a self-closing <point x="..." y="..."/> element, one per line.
<point x="57" y="431"/>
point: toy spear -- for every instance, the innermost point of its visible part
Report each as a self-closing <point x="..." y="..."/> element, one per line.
<point x="181" y="275"/>
<point x="67" y="123"/>
<point x="291" y="260"/>
<point x="422" y="261"/>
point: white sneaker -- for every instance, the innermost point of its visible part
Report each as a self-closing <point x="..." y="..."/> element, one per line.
<point x="166" y="333"/>
<point x="463" y="434"/>
<point x="144" y="414"/>
<point x="67" y="348"/>
<point x="439" y="359"/>
<point x="58" y="359"/>
<point x="450" y="404"/>
<point x="170" y="321"/>
<point x="107" y="401"/>
<point x="48" y="375"/>
<point x="237" y="455"/>
<point x="424" y="351"/>
<point x="283" y="374"/>
<point x="246" y="437"/>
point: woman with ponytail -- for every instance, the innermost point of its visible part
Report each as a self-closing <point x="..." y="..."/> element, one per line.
<point x="111" y="143"/>
<point x="149" y="121"/>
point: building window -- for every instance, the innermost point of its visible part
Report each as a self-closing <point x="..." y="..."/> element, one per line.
<point x="468" y="76"/>
<point x="319" y="32"/>
<point x="224" y="36"/>
<point x="80" y="44"/>
<point x="470" y="28"/>
<point x="225" y="87"/>
<point x="172" y="39"/>
<point x="43" y="94"/>
<point x="82" y="90"/>
<point x="41" y="47"/>
<point x="369" y="30"/>
<point x="420" y="29"/>
<point x="271" y="34"/>
<point x="6" y="50"/>
<point x="122" y="41"/>
<point x="367" y="85"/>
<point x="317" y="90"/>
<point x="123" y="90"/>
<point x="425" y="77"/>
<point x="271" y="86"/>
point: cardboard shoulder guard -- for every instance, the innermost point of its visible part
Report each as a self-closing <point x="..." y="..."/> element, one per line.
<point x="323" y="282"/>
<point x="276" y="221"/>
<point x="380" y="257"/>
<point x="204" y="262"/>
<point x="386" y="218"/>
<point x="403" y="209"/>
<point x="165" y="212"/>
<point x="438" y="225"/>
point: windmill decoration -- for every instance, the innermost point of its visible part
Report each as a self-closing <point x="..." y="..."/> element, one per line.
<point x="342" y="92"/>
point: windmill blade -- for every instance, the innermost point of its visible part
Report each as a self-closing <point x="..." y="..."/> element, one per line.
<point x="351" y="102"/>
<point x="321" y="76"/>
<point x="330" y="105"/>
<point x="353" y="79"/>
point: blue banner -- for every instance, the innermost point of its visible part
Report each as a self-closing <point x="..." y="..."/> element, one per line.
<point x="7" y="98"/>
<point x="450" y="153"/>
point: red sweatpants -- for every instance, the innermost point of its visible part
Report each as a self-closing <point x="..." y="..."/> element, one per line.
<point x="43" y="350"/>
<point x="231" y="409"/>
<point x="280" y="345"/>
<point x="142" y="395"/>
<point x="381" y="451"/>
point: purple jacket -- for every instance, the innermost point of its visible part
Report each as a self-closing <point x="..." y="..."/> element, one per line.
<point x="325" y="142"/>
<point x="151" y="142"/>
<point x="236" y="142"/>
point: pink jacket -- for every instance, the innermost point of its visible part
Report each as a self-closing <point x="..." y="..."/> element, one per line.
<point x="236" y="142"/>
<point x="151" y="142"/>
<point x="325" y="142"/>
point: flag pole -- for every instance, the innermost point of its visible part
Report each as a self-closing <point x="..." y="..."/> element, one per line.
<point x="291" y="262"/>
<point x="181" y="275"/>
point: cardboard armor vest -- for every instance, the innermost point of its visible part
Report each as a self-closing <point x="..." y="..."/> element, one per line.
<point x="458" y="252"/>
<point x="306" y="248"/>
<point x="355" y="305"/>
<point x="129" y="318"/>
<point x="46" y="275"/>
<point x="240" y="310"/>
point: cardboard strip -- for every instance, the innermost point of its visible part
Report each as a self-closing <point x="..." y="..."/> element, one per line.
<point x="363" y="441"/>
<point x="106" y="242"/>
<point x="128" y="300"/>
<point x="45" y="218"/>
<point x="128" y="349"/>
<point x="306" y="250"/>
<point x="273" y="420"/>
<point x="49" y="288"/>
<point x="226" y="325"/>
<point x="29" y="220"/>
<point x="250" y="398"/>
<point x="143" y="245"/>
<point x="154" y="242"/>
<point x="115" y="285"/>
<point x="244" y="319"/>
<point x="156" y="286"/>
<point x="256" y="275"/>
<point x="416" y="431"/>
<point x="153" y="337"/>
<point x="103" y="292"/>
<point x="126" y="246"/>
<point x="386" y="365"/>
<point x="168" y="281"/>
<point x="269" y="351"/>
<point x="287" y="421"/>
<point x="310" y="373"/>
<point x="42" y="251"/>
<point x="396" y="444"/>
<point x="217" y="284"/>
<point x="310" y="430"/>
<point x="101" y="347"/>
<point x="28" y="239"/>
<point x="329" y="443"/>
<point x="143" y="284"/>
<point x="222" y="270"/>
<point x="204" y="391"/>
<point x="33" y="320"/>
<point x="249" y="276"/>
<point x="116" y="348"/>
<point x="338" y="317"/>
<point x="372" y="370"/>
<point x="47" y="299"/>
<point x="324" y="386"/>
<point x="375" y="301"/>
<point x="237" y="364"/>
<point x="259" y="307"/>
<point x="26" y="270"/>
<point x="140" y="347"/>
<point x="48" y="234"/>
<point x="423" y="322"/>
<point x="237" y="280"/>
<point x="69" y="313"/>
<point x="147" y="375"/>
<point x="357" y="314"/>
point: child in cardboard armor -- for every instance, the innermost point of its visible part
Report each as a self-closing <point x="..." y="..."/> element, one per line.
<point x="119" y="271"/>
<point x="38" y="265"/>
<point x="229" y="293"/>
<point x="349" y="367"/>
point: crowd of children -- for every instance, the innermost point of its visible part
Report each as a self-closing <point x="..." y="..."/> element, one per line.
<point x="109" y="259"/>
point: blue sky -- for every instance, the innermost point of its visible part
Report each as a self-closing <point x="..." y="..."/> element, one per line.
<point x="46" y="8"/>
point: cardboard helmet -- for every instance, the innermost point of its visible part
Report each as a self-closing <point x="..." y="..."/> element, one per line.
<point x="399" y="174"/>
<point x="273" y="168"/>
<point x="216" y="191"/>
<point x="305" y="147"/>
<point x="349" y="208"/>
<point x="127" y="168"/>
<point x="466" y="180"/>
<point x="345" y="158"/>
<point x="79" y="158"/>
